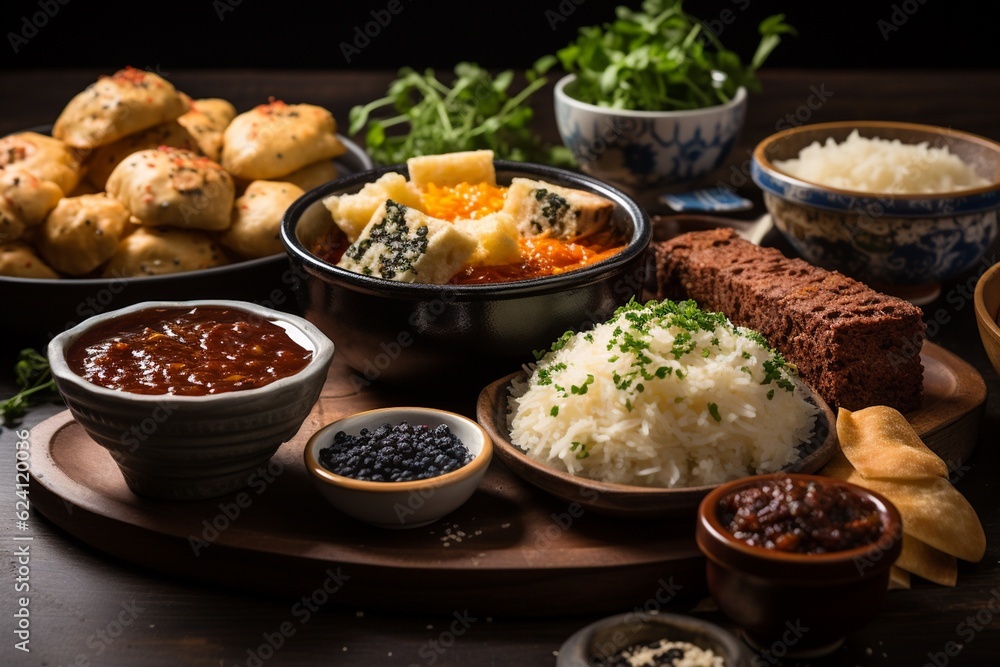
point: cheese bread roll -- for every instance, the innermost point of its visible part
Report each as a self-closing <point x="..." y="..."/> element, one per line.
<point x="43" y="157"/>
<point x="206" y="121"/>
<point x="175" y="188"/>
<point x="151" y="252"/>
<point x="257" y="218"/>
<point x="103" y="160"/>
<point x="81" y="233"/>
<point x="24" y="202"/>
<point x="313" y="175"/>
<point x="275" y="139"/>
<point x="18" y="260"/>
<point x="128" y="101"/>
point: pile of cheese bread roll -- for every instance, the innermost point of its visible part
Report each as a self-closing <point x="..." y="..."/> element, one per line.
<point x="139" y="179"/>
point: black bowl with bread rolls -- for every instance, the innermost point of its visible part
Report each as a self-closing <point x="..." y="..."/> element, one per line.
<point x="138" y="192"/>
<point x="455" y="268"/>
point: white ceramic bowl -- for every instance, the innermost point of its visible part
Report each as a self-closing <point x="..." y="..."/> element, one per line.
<point x="190" y="447"/>
<point x="401" y="504"/>
<point x="643" y="150"/>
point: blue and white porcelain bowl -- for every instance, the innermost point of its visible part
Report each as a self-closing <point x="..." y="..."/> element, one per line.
<point x="647" y="150"/>
<point x="904" y="244"/>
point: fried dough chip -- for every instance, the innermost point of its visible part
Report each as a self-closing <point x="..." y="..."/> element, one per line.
<point x="898" y="578"/>
<point x="881" y="444"/>
<point x="880" y="451"/>
<point x="927" y="562"/>
<point x="934" y="512"/>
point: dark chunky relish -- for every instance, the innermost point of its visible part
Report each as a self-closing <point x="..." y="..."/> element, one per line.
<point x="186" y="351"/>
<point x="398" y="453"/>
<point x="800" y="516"/>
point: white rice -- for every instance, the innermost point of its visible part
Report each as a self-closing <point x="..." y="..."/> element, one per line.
<point x="882" y="165"/>
<point x="666" y="433"/>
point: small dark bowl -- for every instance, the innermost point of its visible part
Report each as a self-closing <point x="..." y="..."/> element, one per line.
<point x="397" y="332"/>
<point x="805" y="603"/>
<point x="593" y="645"/>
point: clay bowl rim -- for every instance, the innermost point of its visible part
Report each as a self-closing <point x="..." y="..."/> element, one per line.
<point x="710" y="530"/>
<point x="989" y="280"/>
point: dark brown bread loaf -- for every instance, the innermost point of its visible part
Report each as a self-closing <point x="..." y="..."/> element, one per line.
<point x="855" y="346"/>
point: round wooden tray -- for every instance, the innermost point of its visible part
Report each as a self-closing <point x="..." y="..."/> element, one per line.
<point x="510" y="549"/>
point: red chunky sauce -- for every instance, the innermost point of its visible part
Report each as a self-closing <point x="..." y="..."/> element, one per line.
<point x="186" y="352"/>
<point x="800" y="516"/>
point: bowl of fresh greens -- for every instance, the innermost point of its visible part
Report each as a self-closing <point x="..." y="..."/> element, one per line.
<point x="654" y="100"/>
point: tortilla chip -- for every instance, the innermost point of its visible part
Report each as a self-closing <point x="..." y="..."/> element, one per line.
<point x="934" y="512"/>
<point x="927" y="562"/>
<point x="838" y="467"/>
<point x="881" y="444"/>
<point x="898" y="578"/>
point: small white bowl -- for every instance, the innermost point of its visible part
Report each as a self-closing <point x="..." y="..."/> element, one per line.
<point x="401" y="504"/>
<point x="645" y="150"/>
<point x="193" y="447"/>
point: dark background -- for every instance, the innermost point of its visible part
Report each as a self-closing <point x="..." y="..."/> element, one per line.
<point x="513" y="33"/>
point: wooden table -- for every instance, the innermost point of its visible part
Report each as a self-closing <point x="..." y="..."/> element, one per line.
<point x="86" y="608"/>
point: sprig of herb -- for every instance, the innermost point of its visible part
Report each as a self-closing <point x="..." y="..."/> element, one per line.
<point x="34" y="379"/>
<point x="662" y="59"/>
<point x="476" y="111"/>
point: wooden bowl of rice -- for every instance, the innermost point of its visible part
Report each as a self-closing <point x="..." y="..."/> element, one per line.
<point x="624" y="500"/>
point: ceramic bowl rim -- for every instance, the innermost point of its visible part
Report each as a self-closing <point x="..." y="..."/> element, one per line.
<point x="478" y="464"/>
<point x="708" y="519"/>
<point x="323" y="350"/>
<point x="634" y="247"/>
<point x="562" y="97"/>
<point x="990" y="276"/>
<point x="764" y="163"/>
<point x="582" y="638"/>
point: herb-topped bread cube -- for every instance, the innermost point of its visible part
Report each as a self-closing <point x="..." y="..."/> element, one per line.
<point x="401" y="243"/>
<point x="545" y="209"/>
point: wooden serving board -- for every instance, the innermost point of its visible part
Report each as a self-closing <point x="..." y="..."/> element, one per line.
<point x="510" y="549"/>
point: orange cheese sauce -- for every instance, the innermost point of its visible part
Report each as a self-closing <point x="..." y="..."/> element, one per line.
<point x="463" y="201"/>
<point x="542" y="256"/>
